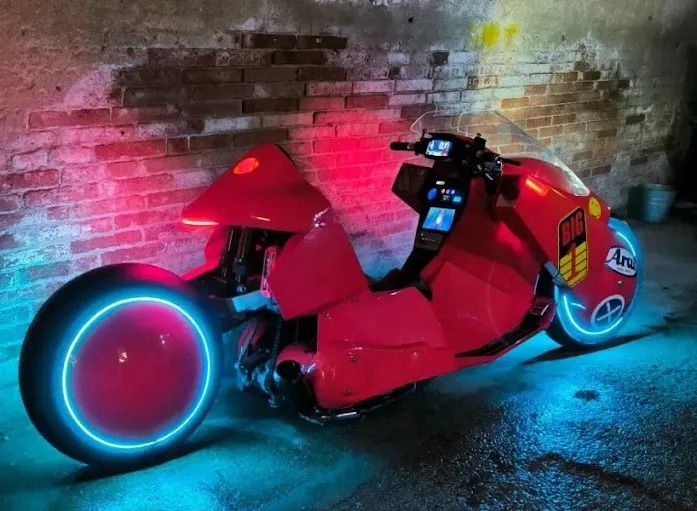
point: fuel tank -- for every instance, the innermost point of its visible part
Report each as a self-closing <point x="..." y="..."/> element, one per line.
<point x="263" y="190"/>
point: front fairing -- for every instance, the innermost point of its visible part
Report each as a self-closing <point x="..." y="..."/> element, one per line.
<point x="263" y="190"/>
<point x="505" y="137"/>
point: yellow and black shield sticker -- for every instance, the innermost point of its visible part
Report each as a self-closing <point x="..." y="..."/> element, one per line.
<point x="573" y="247"/>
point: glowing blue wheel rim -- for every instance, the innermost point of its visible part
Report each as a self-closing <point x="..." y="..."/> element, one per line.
<point x="164" y="436"/>
<point x="566" y="303"/>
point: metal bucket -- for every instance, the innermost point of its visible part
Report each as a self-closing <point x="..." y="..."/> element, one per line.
<point x="651" y="202"/>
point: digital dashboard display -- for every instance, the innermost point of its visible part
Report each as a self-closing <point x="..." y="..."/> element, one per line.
<point x="439" y="148"/>
<point x="439" y="219"/>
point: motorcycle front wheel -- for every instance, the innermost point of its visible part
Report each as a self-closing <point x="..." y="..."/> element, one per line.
<point x="570" y="330"/>
<point x="120" y="365"/>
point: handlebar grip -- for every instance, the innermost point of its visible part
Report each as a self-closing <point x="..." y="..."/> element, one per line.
<point x="401" y="146"/>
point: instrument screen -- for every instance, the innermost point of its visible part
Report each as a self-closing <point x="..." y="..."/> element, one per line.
<point x="439" y="219"/>
<point x="439" y="148"/>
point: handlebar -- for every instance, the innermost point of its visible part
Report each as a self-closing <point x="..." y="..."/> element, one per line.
<point x="401" y="146"/>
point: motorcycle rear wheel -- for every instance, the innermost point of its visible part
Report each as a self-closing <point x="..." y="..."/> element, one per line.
<point x="120" y="365"/>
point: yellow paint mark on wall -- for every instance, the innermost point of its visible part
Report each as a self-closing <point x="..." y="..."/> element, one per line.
<point x="492" y="34"/>
<point x="512" y="32"/>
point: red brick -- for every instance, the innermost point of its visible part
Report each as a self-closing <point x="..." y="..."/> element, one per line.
<point x="155" y="96"/>
<point x="222" y="92"/>
<point x="270" y="74"/>
<point x="46" y="271"/>
<point x="147" y="218"/>
<point x="132" y="254"/>
<point x="212" y="75"/>
<point x="313" y="42"/>
<point x="169" y="163"/>
<point x="142" y="184"/>
<point x="339" y="174"/>
<point x="212" y="110"/>
<point x="539" y="121"/>
<point x="335" y="145"/>
<point x="377" y="101"/>
<point x="514" y="103"/>
<point x="89" y="117"/>
<point x="283" y="57"/>
<point x="414" y="85"/>
<point x="186" y="57"/>
<point x="173" y="197"/>
<point x="113" y="240"/>
<point x="554" y="99"/>
<point x="269" y="105"/>
<point x="177" y="145"/>
<point x="143" y="114"/>
<point x="395" y="127"/>
<point x="608" y="133"/>
<point x="357" y="116"/>
<point x="34" y="179"/>
<point x="97" y="225"/>
<point x="591" y="75"/>
<point x="549" y="132"/>
<point x="9" y="220"/>
<point x="319" y="103"/>
<point x="130" y="150"/>
<point x="40" y="120"/>
<point x="7" y="241"/>
<point x="635" y="119"/>
<point x="415" y="111"/>
<point x="71" y="154"/>
<point x="322" y="74"/>
<point x="148" y="76"/>
<point x="279" y="90"/>
<point x="249" y="138"/>
<point x="242" y="58"/>
<point x="210" y="142"/>
<point x="571" y="76"/>
<point x="373" y="87"/>
<point x="564" y="119"/>
<point x="329" y="88"/>
<point x="311" y="133"/>
<point x="108" y="206"/>
<point x="269" y="41"/>
<point x="65" y="195"/>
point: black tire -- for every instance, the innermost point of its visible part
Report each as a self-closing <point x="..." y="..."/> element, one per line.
<point x="46" y="349"/>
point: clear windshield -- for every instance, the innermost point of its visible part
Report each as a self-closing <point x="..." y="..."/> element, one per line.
<point x="503" y="136"/>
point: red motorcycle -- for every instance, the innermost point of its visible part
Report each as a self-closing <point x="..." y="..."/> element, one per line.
<point x="122" y="363"/>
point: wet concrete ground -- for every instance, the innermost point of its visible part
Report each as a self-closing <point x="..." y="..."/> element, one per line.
<point x="541" y="428"/>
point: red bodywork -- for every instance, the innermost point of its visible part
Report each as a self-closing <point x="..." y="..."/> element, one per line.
<point x="483" y="278"/>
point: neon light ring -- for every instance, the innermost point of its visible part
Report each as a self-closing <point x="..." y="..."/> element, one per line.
<point x="567" y="316"/>
<point x="136" y="373"/>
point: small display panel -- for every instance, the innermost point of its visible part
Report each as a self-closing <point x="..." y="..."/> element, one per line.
<point x="439" y="219"/>
<point x="440" y="148"/>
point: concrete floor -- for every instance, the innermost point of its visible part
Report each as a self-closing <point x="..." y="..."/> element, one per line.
<point x="539" y="429"/>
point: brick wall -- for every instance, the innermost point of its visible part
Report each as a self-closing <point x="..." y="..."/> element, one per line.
<point x="104" y="182"/>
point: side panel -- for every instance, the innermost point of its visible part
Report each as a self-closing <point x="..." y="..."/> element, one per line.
<point x="376" y="343"/>
<point x="272" y="195"/>
<point x="316" y="270"/>
<point x="483" y="278"/>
